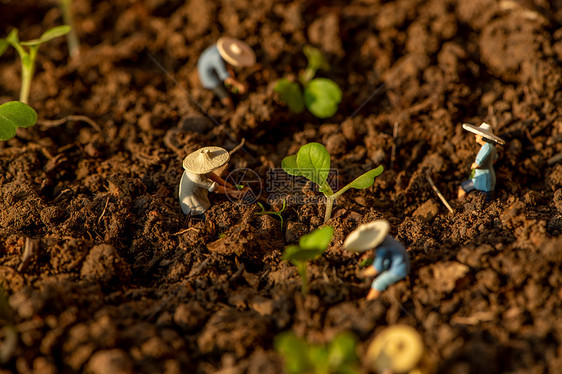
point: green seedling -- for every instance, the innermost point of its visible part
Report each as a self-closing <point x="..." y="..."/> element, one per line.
<point x="337" y="357"/>
<point x="273" y="212"/>
<point x="311" y="246"/>
<point x="321" y="96"/>
<point x="71" y="37"/>
<point x="14" y="114"/>
<point x="313" y="162"/>
<point x="366" y="262"/>
<point x="232" y="88"/>
<point x="28" y="53"/>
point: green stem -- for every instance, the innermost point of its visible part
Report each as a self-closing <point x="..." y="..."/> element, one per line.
<point x="26" y="76"/>
<point x="307" y="76"/>
<point x="71" y="37"/>
<point x="329" y="205"/>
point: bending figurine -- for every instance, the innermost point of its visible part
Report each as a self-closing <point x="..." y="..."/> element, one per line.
<point x="198" y="179"/>
<point x="391" y="262"/>
<point x="483" y="176"/>
<point x="215" y="67"/>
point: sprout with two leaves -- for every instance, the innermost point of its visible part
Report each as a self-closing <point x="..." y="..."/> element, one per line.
<point x="28" y="53"/>
<point x="311" y="246"/>
<point x="312" y="161"/>
<point x="338" y="356"/>
<point x="321" y="95"/>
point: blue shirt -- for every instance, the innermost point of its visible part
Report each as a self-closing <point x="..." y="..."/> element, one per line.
<point x="392" y="263"/>
<point x="484" y="176"/>
<point x="211" y="68"/>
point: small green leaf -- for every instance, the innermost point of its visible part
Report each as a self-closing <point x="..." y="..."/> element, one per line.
<point x="3" y="46"/>
<point x="315" y="57"/>
<point x="297" y="255"/>
<point x="313" y="162"/>
<point x="319" y="239"/>
<point x="318" y="355"/>
<point x="341" y="350"/>
<point x="289" y="164"/>
<point x="366" y="180"/>
<point x="322" y="96"/>
<point x="12" y="37"/>
<point x="294" y="352"/>
<point x="55" y="32"/>
<point x="290" y="93"/>
<point x="366" y="262"/>
<point x="14" y="114"/>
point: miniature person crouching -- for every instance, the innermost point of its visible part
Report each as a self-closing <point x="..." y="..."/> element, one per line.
<point x="198" y="179"/>
<point x="215" y="67"/>
<point x="391" y="261"/>
<point x="483" y="176"/>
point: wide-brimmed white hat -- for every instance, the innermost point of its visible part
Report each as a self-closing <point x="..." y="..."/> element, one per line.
<point x="236" y="52"/>
<point x="367" y="236"/>
<point x="484" y="130"/>
<point x="205" y="160"/>
<point x="399" y="348"/>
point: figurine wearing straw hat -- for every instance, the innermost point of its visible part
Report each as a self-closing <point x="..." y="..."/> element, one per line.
<point x="483" y="176"/>
<point x="198" y="179"/>
<point x="391" y="261"/>
<point x="215" y="67"/>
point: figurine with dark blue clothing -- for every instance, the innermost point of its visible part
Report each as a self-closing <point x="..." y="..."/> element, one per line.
<point x="483" y="176"/>
<point x="391" y="262"/>
<point x="215" y="67"/>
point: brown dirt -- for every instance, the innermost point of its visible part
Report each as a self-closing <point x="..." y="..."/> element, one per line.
<point x="117" y="283"/>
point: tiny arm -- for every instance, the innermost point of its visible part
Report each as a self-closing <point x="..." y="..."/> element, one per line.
<point x="231" y="80"/>
<point x="215" y="178"/>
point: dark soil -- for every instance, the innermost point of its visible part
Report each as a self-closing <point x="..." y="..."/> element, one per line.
<point x="122" y="282"/>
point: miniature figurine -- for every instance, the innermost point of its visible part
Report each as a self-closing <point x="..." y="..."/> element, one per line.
<point x="198" y="178"/>
<point x="391" y="261"/>
<point x="215" y="67"/>
<point x="483" y="177"/>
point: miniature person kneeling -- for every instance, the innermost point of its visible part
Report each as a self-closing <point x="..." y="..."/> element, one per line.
<point x="391" y="261"/>
<point x="198" y="179"/>
<point x="215" y="67"/>
<point x="483" y="176"/>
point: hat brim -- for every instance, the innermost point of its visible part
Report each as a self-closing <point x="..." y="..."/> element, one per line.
<point x="485" y="134"/>
<point x="195" y="164"/>
<point x="367" y="236"/>
<point x="401" y="344"/>
<point x="246" y="57"/>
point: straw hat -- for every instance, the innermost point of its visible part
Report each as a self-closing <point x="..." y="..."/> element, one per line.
<point x="367" y="236"/>
<point x="485" y="130"/>
<point x="399" y="348"/>
<point x="205" y="160"/>
<point x="236" y="52"/>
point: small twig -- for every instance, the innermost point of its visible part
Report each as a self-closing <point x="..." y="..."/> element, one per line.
<point x="104" y="208"/>
<point x="220" y="171"/>
<point x="238" y="146"/>
<point x="186" y="230"/>
<point x="554" y="159"/>
<point x="29" y="250"/>
<point x="76" y="118"/>
<point x="240" y="270"/>
<point x="393" y="151"/>
<point x="438" y="193"/>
